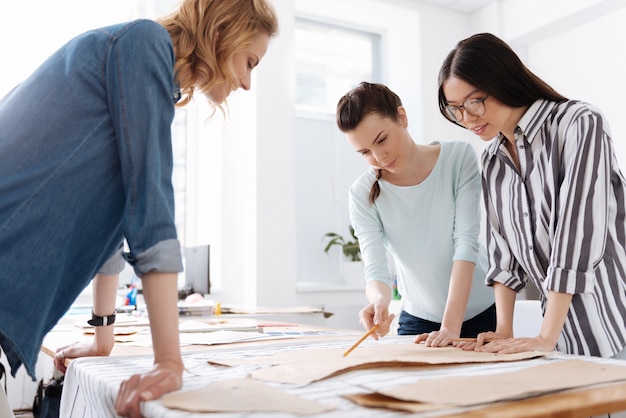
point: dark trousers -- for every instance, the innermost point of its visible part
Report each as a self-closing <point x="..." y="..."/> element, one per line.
<point x="484" y="321"/>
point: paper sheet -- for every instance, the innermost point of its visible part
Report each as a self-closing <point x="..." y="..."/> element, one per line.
<point x="528" y="382"/>
<point x="240" y="324"/>
<point x="378" y="400"/>
<point x="306" y="366"/>
<point x="213" y="338"/>
<point x="242" y="395"/>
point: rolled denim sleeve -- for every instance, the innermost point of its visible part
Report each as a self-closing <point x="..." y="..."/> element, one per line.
<point x="162" y="257"/>
<point x="141" y="84"/>
<point x="114" y="265"/>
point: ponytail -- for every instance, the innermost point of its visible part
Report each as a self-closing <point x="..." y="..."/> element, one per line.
<point x="375" y="190"/>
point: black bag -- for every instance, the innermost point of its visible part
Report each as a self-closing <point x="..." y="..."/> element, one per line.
<point x="3" y="374"/>
<point x="47" y="402"/>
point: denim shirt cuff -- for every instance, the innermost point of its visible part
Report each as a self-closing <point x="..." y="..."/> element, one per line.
<point x="114" y="265"/>
<point x="165" y="257"/>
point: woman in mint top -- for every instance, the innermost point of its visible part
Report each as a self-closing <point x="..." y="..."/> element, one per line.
<point x="421" y="205"/>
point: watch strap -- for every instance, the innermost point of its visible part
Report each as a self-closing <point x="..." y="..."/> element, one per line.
<point x="101" y="321"/>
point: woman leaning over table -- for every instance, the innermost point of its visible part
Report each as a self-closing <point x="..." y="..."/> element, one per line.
<point x="554" y="196"/>
<point x="421" y="203"/>
<point x="86" y="162"/>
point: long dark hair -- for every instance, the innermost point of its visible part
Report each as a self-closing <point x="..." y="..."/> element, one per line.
<point x="489" y="64"/>
<point x="361" y="101"/>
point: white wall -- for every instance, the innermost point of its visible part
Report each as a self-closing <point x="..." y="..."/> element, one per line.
<point x="588" y="62"/>
<point x="258" y="232"/>
<point x="579" y="47"/>
<point x="32" y="30"/>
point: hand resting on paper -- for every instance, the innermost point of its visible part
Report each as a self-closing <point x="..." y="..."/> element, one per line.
<point x="165" y="377"/>
<point x="96" y="348"/>
<point x="441" y="338"/>
<point x="491" y="342"/>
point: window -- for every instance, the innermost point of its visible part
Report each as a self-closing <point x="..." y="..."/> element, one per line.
<point x="330" y="60"/>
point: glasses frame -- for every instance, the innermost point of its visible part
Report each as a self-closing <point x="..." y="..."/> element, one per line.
<point x="462" y="109"/>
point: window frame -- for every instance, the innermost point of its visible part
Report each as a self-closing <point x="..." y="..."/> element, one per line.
<point x="377" y="57"/>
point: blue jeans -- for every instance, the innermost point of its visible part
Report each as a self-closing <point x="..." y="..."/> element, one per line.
<point x="484" y="321"/>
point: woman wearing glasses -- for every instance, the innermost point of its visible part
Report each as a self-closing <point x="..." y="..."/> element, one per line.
<point x="421" y="203"/>
<point x="554" y="197"/>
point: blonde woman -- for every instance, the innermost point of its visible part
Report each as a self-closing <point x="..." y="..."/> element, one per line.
<point x="86" y="163"/>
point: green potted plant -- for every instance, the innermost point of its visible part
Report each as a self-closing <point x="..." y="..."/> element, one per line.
<point x="350" y="247"/>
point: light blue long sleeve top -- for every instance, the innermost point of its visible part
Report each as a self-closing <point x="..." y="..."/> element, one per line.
<point x="425" y="228"/>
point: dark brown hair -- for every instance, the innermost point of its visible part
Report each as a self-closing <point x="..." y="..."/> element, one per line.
<point x="361" y="101"/>
<point x="489" y="64"/>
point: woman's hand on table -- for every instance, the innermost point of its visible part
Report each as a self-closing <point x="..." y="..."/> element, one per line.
<point x="165" y="377"/>
<point x="441" y="338"/>
<point x="481" y="340"/>
<point x="77" y="350"/>
<point x="515" y="345"/>
<point x="491" y="342"/>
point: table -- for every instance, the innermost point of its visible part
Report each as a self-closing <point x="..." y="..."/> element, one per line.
<point x="91" y="383"/>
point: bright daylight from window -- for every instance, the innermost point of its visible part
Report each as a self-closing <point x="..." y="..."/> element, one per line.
<point x="330" y="60"/>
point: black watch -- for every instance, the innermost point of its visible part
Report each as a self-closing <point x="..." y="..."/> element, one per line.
<point x="101" y="321"/>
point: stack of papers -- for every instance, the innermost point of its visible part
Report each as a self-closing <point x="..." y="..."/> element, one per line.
<point x="236" y="324"/>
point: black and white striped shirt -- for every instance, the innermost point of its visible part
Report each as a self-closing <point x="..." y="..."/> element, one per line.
<point x="560" y="220"/>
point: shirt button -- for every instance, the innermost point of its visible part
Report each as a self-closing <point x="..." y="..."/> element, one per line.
<point x="525" y="214"/>
<point x="530" y="247"/>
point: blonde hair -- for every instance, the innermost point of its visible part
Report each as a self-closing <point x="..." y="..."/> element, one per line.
<point x="206" y="33"/>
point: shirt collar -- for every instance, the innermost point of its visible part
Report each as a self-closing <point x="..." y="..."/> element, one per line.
<point x="528" y="125"/>
<point x="534" y="118"/>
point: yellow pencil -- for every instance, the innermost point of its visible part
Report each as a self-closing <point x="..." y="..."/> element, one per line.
<point x="367" y="334"/>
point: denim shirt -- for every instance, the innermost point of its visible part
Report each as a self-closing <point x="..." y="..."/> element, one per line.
<point x="85" y="162"/>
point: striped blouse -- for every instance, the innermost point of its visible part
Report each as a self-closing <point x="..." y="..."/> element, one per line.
<point x="560" y="220"/>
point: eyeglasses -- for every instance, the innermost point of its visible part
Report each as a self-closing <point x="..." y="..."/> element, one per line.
<point x="474" y="107"/>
